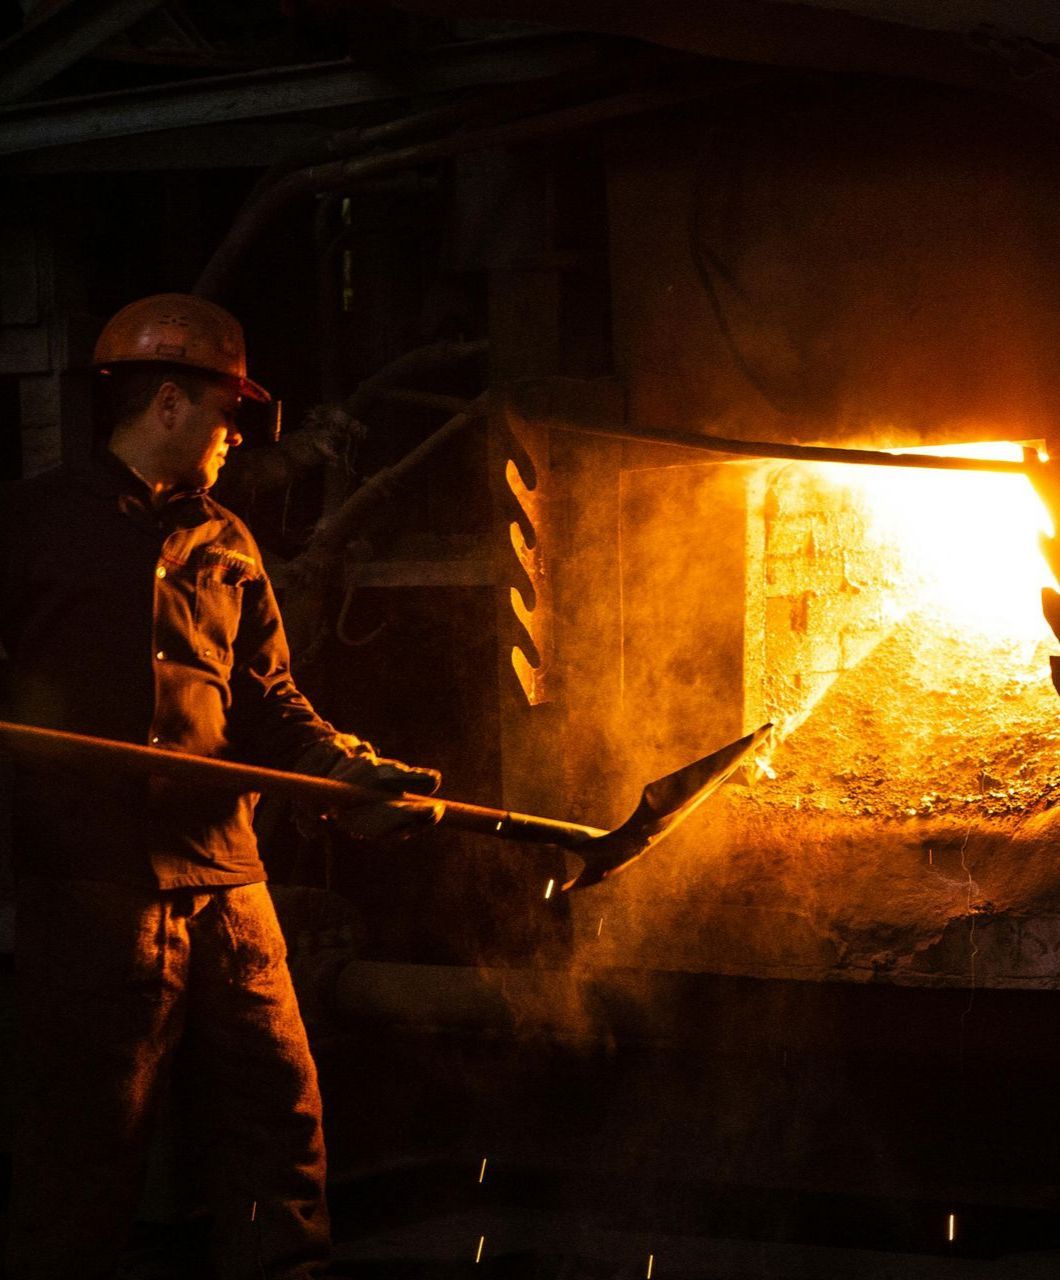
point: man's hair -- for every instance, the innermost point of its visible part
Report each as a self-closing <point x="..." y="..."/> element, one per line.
<point x="124" y="391"/>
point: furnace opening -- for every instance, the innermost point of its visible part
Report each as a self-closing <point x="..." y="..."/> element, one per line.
<point x="906" y="657"/>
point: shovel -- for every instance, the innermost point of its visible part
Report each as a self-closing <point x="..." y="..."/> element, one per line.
<point x="664" y="804"/>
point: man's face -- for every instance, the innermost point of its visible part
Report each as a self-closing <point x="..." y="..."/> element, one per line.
<point x="202" y="436"/>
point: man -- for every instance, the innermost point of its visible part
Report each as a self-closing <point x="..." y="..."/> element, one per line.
<point x="133" y="606"/>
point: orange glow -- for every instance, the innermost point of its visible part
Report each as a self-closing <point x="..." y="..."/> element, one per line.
<point x="968" y="541"/>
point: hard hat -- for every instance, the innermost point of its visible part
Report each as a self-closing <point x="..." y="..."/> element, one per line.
<point x="178" y="328"/>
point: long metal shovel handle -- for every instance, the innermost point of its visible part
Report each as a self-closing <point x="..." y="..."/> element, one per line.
<point x="663" y="805"/>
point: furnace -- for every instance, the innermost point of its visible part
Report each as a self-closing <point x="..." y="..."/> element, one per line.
<point x="855" y="271"/>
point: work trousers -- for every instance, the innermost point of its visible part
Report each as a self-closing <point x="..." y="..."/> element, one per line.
<point x="112" y="981"/>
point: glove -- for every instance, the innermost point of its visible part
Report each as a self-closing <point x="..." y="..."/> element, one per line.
<point x="348" y="759"/>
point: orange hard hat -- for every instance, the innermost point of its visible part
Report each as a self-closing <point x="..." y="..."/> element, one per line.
<point x="178" y="328"/>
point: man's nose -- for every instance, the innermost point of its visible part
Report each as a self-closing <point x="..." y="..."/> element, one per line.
<point x="234" y="437"/>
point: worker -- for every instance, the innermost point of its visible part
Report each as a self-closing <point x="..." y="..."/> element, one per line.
<point x="133" y="606"/>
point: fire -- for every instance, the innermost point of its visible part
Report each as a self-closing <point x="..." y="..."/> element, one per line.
<point x="968" y="542"/>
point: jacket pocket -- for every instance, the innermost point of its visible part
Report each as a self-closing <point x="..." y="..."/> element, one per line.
<point x="218" y="606"/>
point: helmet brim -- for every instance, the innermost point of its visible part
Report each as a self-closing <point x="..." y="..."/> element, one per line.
<point x="246" y="387"/>
<point x="254" y="391"/>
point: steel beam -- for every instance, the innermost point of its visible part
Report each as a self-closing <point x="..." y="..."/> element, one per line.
<point x="65" y="35"/>
<point x="284" y="90"/>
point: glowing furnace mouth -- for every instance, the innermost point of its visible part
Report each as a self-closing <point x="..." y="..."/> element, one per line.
<point x="906" y="655"/>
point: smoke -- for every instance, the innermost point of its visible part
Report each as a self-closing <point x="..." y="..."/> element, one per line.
<point x="730" y="593"/>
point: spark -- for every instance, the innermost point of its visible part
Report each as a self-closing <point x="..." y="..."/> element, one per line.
<point x="651" y="1263"/>
<point x="481" y="1245"/>
<point x="931" y="857"/>
<point x="600" y="927"/>
<point x="548" y="889"/>
<point x="951" y="1228"/>
<point x="764" y="767"/>
<point x="482" y="1171"/>
<point x="500" y="825"/>
<point x="254" y="1211"/>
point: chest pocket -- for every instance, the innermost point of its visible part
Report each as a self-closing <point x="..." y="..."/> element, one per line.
<point x="219" y="586"/>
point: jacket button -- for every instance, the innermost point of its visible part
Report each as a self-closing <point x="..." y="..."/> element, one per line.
<point x="160" y="572"/>
<point x="161" y="655"/>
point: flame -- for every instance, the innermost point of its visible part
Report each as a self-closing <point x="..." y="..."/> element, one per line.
<point x="968" y="541"/>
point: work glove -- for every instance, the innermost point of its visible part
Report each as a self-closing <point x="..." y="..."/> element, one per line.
<point x="349" y="759"/>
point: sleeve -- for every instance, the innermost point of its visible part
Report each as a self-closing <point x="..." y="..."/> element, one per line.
<point x="271" y="722"/>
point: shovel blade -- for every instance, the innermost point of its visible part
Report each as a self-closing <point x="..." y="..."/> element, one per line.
<point x="664" y="805"/>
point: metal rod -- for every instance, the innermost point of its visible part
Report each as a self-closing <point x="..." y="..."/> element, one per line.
<point x="794" y="452"/>
<point x="54" y="746"/>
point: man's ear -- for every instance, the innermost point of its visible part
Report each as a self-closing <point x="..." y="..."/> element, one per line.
<point x="169" y="399"/>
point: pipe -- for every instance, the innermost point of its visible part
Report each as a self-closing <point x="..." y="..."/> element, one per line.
<point x="333" y="532"/>
<point x="346" y="143"/>
<point x="411" y="363"/>
<point x="794" y="452"/>
<point x="259" y="212"/>
<point x="420" y="399"/>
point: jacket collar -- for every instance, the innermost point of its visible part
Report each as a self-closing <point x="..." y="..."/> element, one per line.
<point x="110" y="477"/>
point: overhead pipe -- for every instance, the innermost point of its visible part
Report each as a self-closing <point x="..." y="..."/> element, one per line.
<point x="346" y="143"/>
<point x="260" y="211"/>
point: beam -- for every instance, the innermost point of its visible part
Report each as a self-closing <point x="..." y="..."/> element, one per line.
<point x="62" y="37"/>
<point x="818" y="36"/>
<point x="284" y="90"/>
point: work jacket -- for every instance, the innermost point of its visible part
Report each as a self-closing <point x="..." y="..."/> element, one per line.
<point x="154" y="626"/>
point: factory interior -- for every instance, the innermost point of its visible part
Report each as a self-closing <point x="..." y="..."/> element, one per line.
<point x="598" y="327"/>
